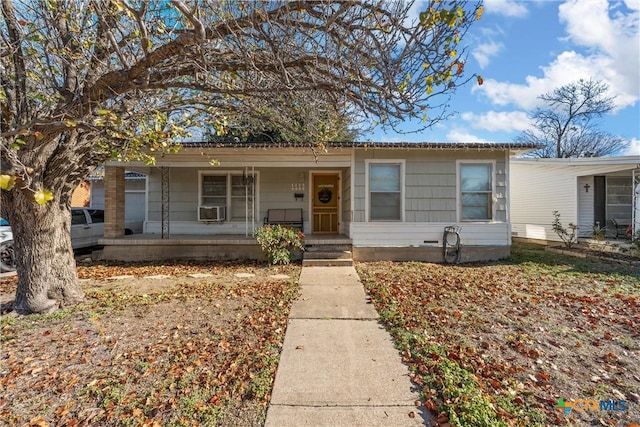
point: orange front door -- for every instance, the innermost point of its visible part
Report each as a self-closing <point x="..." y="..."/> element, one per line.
<point x="326" y="203"/>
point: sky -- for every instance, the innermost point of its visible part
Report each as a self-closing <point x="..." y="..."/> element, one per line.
<point x="524" y="49"/>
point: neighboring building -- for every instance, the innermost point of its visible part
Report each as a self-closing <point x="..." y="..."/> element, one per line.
<point x="81" y="195"/>
<point x="589" y="192"/>
<point x="389" y="200"/>
<point x="135" y="197"/>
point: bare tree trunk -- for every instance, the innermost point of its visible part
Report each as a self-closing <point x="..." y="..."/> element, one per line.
<point x="46" y="267"/>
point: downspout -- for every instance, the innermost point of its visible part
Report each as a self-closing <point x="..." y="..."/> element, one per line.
<point x="353" y="190"/>
<point x="164" y="170"/>
<point x="635" y="205"/>
<point x="245" y="178"/>
<point x="507" y="179"/>
<point x="254" y="194"/>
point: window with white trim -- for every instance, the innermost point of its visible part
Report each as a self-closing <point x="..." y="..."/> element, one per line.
<point x="476" y="191"/>
<point x="619" y="197"/>
<point x="234" y="190"/>
<point x="385" y="191"/>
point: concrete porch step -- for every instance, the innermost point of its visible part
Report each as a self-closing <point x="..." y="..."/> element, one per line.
<point x="327" y="248"/>
<point x="327" y="254"/>
<point x="343" y="262"/>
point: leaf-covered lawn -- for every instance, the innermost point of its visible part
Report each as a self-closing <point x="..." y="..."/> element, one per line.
<point x="499" y="343"/>
<point x="145" y="352"/>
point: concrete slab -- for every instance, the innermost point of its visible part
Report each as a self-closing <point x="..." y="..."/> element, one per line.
<point x="359" y="416"/>
<point x="199" y="275"/>
<point x="342" y="275"/>
<point x="326" y="262"/>
<point x="340" y="362"/>
<point x="333" y="302"/>
<point x="244" y="275"/>
<point x="338" y="365"/>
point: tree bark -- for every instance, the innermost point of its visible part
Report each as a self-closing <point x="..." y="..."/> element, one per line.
<point x="46" y="267"/>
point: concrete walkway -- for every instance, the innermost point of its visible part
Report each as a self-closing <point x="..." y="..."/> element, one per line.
<point x="338" y="365"/>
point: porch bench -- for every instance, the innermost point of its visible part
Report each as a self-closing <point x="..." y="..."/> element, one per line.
<point x="285" y="217"/>
<point x="620" y="226"/>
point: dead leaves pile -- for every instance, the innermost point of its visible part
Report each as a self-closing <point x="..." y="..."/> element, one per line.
<point x="499" y="344"/>
<point x="195" y="354"/>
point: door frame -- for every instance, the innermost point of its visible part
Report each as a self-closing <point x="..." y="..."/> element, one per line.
<point x="312" y="173"/>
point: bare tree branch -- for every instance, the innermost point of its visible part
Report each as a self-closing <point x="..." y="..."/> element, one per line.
<point x="568" y="127"/>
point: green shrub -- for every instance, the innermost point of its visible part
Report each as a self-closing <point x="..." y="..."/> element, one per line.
<point x="598" y="232"/>
<point x="567" y="235"/>
<point x="278" y="243"/>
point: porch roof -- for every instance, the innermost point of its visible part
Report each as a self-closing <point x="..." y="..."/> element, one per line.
<point x="626" y="161"/>
<point x="514" y="146"/>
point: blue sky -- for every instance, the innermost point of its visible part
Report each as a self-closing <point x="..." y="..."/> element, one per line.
<point x="524" y="49"/>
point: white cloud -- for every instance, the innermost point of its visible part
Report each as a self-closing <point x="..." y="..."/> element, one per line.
<point x="498" y="121"/>
<point x="461" y="135"/>
<point x="614" y="38"/>
<point x="486" y="51"/>
<point x="633" y="149"/>
<point x="413" y="15"/>
<point x="632" y="4"/>
<point x="510" y="8"/>
<point x="609" y="42"/>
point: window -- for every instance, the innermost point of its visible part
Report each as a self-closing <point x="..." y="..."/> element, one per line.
<point x="619" y="197"/>
<point x="385" y="191"/>
<point x="77" y="217"/>
<point x="214" y="190"/>
<point x="476" y="191"/>
<point x="97" y="215"/>
<point x="241" y="197"/>
<point x="235" y="191"/>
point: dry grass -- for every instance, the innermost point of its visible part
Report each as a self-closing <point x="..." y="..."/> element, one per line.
<point x="172" y="352"/>
<point x="500" y="343"/>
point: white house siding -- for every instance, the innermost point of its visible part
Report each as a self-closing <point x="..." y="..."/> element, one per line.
<point x="541" y="186"/>
<point x="537" y="191"/>
<point x="430" y="200"/>
<point x="427" y="234"/>
<point x="277" y="188"/>
<point x="279" y="175"/>
<point x="585" y="206"/>
<point x="134" y="198"/>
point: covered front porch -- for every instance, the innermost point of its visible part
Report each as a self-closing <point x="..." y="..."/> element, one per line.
<point x="198" y="209"/>
<point x="151" y="247"/>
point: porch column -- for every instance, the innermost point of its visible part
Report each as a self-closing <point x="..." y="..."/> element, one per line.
<point x="113" y="202"/>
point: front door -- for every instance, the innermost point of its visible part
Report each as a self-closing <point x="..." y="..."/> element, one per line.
<point x="326" y="203"/>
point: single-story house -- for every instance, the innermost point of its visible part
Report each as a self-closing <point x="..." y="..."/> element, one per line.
<point x="385" y="200"/>
<point x="589" y="192"/>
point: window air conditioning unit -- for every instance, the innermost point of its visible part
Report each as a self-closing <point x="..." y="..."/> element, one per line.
<point x="212" y="213"/>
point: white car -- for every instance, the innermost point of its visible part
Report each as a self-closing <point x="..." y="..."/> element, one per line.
<point x="7" y="258"/>
<point x="87" y="226"/>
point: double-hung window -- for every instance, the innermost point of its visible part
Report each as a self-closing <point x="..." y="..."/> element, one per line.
<point x="385" y="184"/>
<point x="214" y="190"/>
<point x="233" y="190"/>
<point x="476" y="191"/>
<point x="241" y="197"/>
<point x="619" y="197"/>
